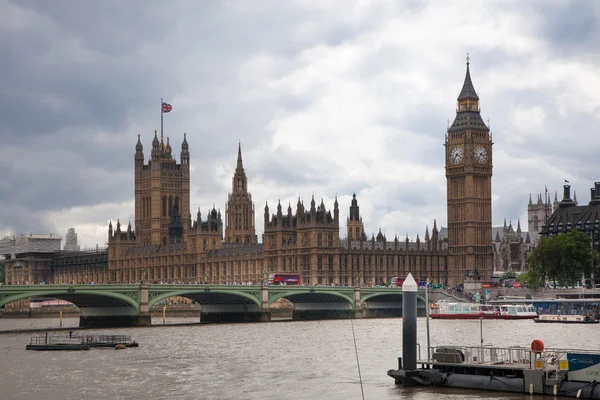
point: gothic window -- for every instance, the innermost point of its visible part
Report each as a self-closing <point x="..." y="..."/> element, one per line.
<point x="320" y="239"/>
<point x="240" y="185"/>
<point x="164" y="206"/>
<point x="170" y="205"/>
<point x="176" y="202"/>
<point x="330" y="239"/>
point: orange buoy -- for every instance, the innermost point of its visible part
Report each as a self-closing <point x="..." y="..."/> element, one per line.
<point x="537" y="346"/>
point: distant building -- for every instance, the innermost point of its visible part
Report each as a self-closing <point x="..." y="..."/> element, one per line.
<point x="511" y="248"/>
<point x="28" y="257"/>
<point x="539" y="212"/>
<point x="570" y="216"/>
<point x="71" y="241"/>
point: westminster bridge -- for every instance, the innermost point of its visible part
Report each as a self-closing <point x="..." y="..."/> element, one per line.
<point x="130" y="304"/>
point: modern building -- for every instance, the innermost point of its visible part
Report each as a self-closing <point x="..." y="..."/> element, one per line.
<point x="569" y="216"/>
<point x="71" y="241"/>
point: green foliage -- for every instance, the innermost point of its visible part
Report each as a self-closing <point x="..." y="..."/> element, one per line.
<point x="510" y="274"/>
<point x="533" y="279"/>
<point x="564" y="258"/>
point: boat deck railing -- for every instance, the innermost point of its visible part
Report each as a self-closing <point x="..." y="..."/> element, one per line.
<point x="42" y="340"/>
<point x="549" y="360"/>
<point x="108" y="339"/>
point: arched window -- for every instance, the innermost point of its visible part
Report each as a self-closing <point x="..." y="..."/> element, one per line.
<point x="170" y="205"/>
<point x="164" y="206"/>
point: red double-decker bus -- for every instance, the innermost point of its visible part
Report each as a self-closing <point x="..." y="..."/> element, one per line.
<point x="397" y="281"/>
<point x="284" y="279"/>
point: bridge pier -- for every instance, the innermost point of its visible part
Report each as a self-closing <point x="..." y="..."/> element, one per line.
<point x="114" y="321"/>
<point x="311" y="315"/>
<point x="215" y="317"/>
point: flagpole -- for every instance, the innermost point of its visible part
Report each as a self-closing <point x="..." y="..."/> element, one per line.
<point x="161" y="117"/>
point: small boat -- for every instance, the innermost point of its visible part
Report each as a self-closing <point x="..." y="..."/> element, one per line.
<point x="448" y="310"/>
<point x="567" y="319"/>
<point x="51" y="342"/>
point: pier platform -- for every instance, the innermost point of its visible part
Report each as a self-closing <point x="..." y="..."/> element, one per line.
<point x="558" y="372"/>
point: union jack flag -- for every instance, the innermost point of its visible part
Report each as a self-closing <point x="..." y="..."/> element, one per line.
<point x="166" y="107"/>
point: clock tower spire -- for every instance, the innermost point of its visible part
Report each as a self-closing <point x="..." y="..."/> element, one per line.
<point x="469" y="188"/>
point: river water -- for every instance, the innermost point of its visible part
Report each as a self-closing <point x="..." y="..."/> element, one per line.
<point x="277" y="360"/>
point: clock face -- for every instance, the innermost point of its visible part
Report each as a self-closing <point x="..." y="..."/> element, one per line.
<point x="456" y="155"/>
<point x="481" y="155"/>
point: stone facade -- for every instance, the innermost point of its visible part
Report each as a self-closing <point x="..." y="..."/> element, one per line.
<point x="305" y="241"/>
<point x="538" y="213"/>
<point x="511" y="248"/>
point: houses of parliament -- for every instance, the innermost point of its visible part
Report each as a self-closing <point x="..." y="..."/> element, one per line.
<point x="170" y="244"/>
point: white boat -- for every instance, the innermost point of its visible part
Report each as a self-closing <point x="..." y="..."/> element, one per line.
<point x="446" y="310"/>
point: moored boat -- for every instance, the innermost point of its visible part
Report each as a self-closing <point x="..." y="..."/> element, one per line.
<point x="446" y="310"/>
<point x="567" y="319"/>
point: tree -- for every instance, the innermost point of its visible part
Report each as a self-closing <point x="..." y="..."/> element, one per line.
<point x="533" y="279"/>
<point x="510" y="274"/>
<point x="564" y="258"/>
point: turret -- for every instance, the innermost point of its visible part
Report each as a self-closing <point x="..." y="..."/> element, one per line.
<point x="266" y="214"/>
<point x="185" y="155"/>
<point x="155" y="146"/>
<point x="139" y="154"/>
<point x="336" y="211"/>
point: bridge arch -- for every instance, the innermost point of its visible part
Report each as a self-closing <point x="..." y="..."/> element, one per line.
<point x="366" y="297"/>
<point x="303" y="294"/>
<point x="81" y="298"/>
<point x="199" y="295"/>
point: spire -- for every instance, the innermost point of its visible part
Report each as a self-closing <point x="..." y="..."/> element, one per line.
<point x="184" y="144"/>
<point x="434" y="226"/>
<point x="504" y="222"/>
<point x="138" y="146"/>
<point x="530" y="202"/>
<point x="468" y="90"/>
<point x="519" y="228"/>
<point x="426" y="233"/>
<point x="239" y="159"/>
<point x="468" y="115"/>
<point x="575" y="196"/>
<point x="498" y="236"/>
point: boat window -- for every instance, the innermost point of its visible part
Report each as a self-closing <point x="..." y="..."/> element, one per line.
<point x="512" y="311"/>
<point x="451" y="308"/>
<point x="466" y="309"/>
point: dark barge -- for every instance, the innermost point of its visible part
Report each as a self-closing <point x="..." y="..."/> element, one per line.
<point x="557" y="372"/>
<point x="79" y="342"/>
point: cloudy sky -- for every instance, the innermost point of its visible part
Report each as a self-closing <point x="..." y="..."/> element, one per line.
<point x="327" y="97"/>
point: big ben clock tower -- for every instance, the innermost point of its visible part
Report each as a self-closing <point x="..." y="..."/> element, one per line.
<point x="469" y="189"/>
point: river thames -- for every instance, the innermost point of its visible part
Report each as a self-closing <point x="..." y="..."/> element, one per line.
<point x="277" y="360"/>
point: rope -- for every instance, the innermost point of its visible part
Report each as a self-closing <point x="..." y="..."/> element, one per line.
<point x="357" y="363"/>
